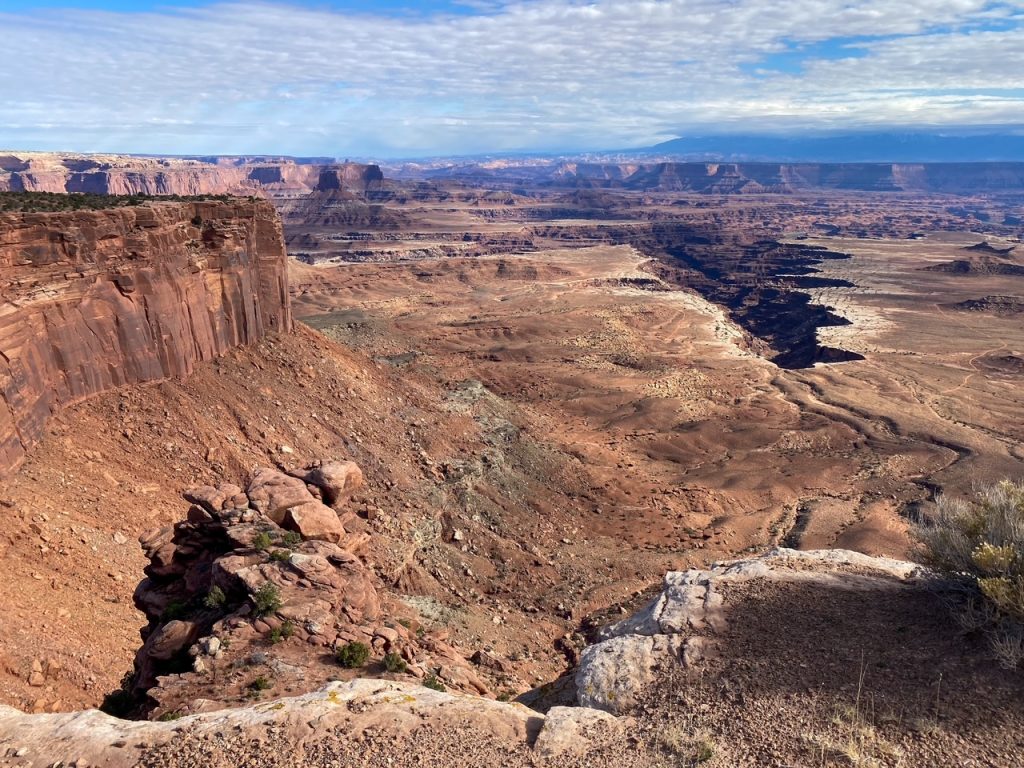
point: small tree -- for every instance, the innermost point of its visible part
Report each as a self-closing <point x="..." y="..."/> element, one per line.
<point x="267" y="599"/>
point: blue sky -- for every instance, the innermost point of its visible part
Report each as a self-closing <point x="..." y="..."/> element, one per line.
<point x="394" y="78"/>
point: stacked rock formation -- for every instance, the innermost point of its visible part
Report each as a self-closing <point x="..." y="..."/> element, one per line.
<point x="252" y="574"/>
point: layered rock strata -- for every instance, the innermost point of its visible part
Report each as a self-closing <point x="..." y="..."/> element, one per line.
<point x="93" y="300"/>
<point x="128" y="175"/>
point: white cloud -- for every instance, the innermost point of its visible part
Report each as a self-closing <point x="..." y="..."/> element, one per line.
<point x="541" y="74"/>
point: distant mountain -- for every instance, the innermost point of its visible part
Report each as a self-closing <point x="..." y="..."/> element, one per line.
<point x="849" y="148"/>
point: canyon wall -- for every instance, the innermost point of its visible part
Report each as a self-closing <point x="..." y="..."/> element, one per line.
<point x="129" y="175"/>
<point x="93" y="300"/>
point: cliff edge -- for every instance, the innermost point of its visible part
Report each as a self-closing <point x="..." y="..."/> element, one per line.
<point x="93" y="300"/>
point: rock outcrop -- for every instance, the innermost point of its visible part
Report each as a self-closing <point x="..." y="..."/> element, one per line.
<point x="94" y="300"/>
<point x="681" y="624"/>
<point x="270" y="578"/>
<point x="348" y="712"/>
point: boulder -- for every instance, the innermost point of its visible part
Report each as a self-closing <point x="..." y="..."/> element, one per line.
<point x="171" y="638"/>
<point x="575" y="731"/>
<point x="612" y="674"/>
<point x="337" y="480"/>
<point x="314" y="520"/>
<point x="273" y="493"/>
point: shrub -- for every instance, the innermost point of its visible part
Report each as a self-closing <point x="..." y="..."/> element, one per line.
<point x="282" y="633"/>
<point x="215" y="598"/>
<point x="352" y="655"/>
<point x="980" y="544"/>
<point x="432" y="682"/>
<point x="176" y="609"/>
<point x="291" y="539"/>
<point x="261" y="683"/>
<point x="267" y="599"/>
<point x="262" y="541"/>
<point x="393" y="662"/>
<point x="281" y="555"/>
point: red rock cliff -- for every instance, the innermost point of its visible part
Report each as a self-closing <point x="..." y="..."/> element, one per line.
<point x="93" y="300"/>
<point x="129" y="175"/>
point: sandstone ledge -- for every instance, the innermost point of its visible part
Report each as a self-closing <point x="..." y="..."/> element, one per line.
<point x="92" y="738"/>
<point x="681" y="623"/>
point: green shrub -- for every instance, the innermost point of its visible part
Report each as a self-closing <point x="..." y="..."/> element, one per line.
<point x="282" y="633"/>
<point x="167" y="717"/>
<point x="291" y="539"/>
<point x="432" y="682"/>
<point x="262" y="541"/>
<point x="261" y="683"/>
<point x="980" y="544"/>
<point x="49" y="202"/>
<point x="176" y="609"/>
<point x="352" y="655"/>
<point x="215" y="598"/>
<point x="281" y="555"/>
<point x="267" y="599"/>
<point x="393" y="662"/>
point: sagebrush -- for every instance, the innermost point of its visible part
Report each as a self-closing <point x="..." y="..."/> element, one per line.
<point x="979" y="543"/>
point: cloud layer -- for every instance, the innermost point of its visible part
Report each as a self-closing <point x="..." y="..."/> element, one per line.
<point x="547" y="74"/>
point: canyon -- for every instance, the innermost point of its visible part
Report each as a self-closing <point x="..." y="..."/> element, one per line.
<point x="557" y="387"/>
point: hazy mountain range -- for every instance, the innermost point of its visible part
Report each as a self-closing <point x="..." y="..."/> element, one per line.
<point x="848" y="148"/>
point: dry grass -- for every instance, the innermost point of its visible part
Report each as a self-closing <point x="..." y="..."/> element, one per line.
<point x="853" y="739"/>
<point x="979" y="544"/>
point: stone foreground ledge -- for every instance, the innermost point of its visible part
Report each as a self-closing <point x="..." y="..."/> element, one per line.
<point x="92" y="738"/>
<point x="680" y="624"/>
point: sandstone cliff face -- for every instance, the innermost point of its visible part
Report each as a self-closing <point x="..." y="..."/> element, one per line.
<point x="126" y="175"/>
<point x="93" y="300"/>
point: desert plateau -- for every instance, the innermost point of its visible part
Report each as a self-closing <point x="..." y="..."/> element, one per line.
<point x="525" y="408"/>
<point x="512" y="384"/>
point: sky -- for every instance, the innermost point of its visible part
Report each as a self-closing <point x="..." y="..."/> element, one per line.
<point x="355" y="78"/>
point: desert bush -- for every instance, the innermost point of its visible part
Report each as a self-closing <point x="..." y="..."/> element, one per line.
<point x="434" y="683"/>
<point x="261" y="683"/>
<point x="262" y="541"/>
<point x="393" y="662"/>
<point x="979" y="544"/>
<point x="215" y="598"/>
<point x="291" y="539"/>
<point x="267" y="599"/>
<point x="282" y="633"/>
<point x="48" y="202"/>
<point x="176" y="609"/>
<point x="352" y="655"/>
<point x="281" y="555"/>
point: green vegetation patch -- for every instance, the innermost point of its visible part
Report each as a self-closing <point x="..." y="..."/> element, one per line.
<point x="51" y="202"/>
